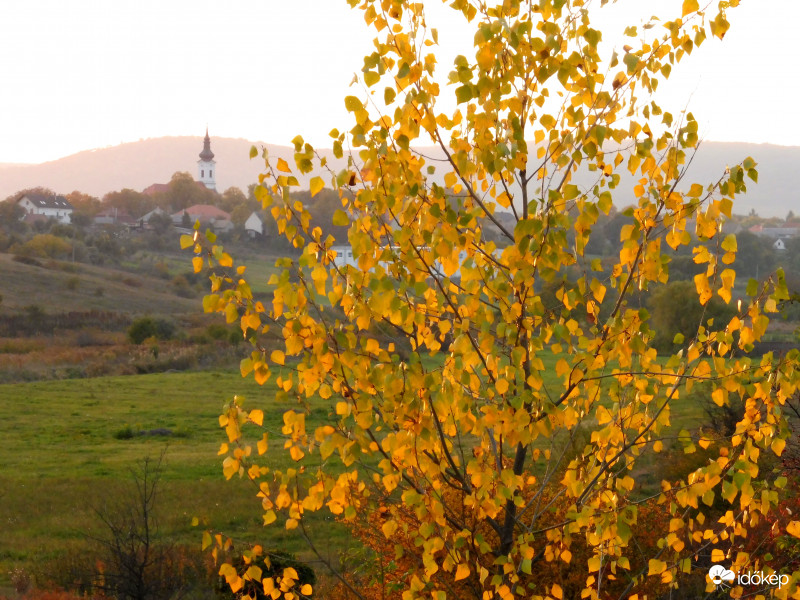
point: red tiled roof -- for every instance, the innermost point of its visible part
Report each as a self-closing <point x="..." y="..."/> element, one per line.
<point x="203" y="212"/>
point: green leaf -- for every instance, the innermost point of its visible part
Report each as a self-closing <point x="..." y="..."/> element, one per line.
<point x="463" y="94"/>
<point x="340" y="218"/>
<point x="371" y="78"/>
<point x="604" y="202"/>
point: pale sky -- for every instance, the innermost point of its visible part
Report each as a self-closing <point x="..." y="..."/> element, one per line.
<point x="83" y="74"/>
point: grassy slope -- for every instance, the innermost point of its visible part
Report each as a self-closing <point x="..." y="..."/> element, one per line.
<point x="53" y="287"/>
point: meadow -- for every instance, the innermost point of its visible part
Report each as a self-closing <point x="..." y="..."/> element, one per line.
<point x="69" y="448"/>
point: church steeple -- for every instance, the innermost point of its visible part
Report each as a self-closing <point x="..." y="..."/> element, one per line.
<point x="206" y="164"/>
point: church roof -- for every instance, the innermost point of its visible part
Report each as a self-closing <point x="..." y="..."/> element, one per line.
<point x="207" y="154"/>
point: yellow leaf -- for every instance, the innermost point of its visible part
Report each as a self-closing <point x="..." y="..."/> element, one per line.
<point x="656" y="567"/>
<point x="689" y="6"/>
<point x="186" y="241"/>
<point x="197" y="264"/>
<point x="296" y="453"/>
<point x="389" y="527"/>
<point x="316" y="185"/>
<point x="793" y="528"/>
<point x="306" y="589"/>
<point x="462" y="572"/>
<point x="277" y="357"/>
<point x="283" y="166"/>
<point x="257" y="416"/>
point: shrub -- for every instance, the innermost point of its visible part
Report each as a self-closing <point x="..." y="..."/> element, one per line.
<point x="46" y="245"/>
<point x="149" y="327"/>
<point x="126" y="433"/>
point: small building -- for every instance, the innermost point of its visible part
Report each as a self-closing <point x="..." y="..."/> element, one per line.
<point x="344" y="256"/>
<point x="779" y="245"/>
<point x="254" y="225"/>
<point x="207" y="214"/>
<point x="778" y="232"/>
<point x="52" y="207"/>
<point x="114" y="216"/>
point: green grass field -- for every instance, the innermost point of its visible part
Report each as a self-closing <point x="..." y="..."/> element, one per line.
<point x="62" y="460"/>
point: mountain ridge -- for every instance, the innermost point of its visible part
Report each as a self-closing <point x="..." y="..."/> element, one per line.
<point x="137" y="165"/>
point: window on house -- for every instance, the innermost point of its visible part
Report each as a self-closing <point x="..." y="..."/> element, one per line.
<point x="210" y="173"/>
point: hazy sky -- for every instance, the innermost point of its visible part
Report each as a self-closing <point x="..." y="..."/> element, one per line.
<point x="84" y="74"/>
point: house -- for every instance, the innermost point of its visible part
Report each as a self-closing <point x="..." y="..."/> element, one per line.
<point x="51" y="207"/>
<point x="779" y="245"/>
<point x="208" y="215"/>
<point x="114" y="216"/>
<point x="144" y="221"/>
<point x="345" y="257"/>
<point x="254" y="225"/>
<point x="776" y="232"/>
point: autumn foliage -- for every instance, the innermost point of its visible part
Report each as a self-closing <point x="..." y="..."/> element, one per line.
<point x="490" y="438"/>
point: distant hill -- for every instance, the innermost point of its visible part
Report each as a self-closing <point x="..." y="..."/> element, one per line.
<point x="138" y="164"/>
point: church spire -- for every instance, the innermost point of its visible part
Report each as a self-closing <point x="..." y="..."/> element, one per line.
<point x="206" y="164"/>
<point x="207" y="154"/>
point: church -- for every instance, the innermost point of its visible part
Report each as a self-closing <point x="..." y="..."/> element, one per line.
<point x="206" y="166"/>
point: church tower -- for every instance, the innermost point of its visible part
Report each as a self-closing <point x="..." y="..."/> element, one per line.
<point x="207" y="165"/>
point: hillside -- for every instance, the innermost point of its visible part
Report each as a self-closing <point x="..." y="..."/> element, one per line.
<point x="64" y="287"/>
<point x="138" y="164"/>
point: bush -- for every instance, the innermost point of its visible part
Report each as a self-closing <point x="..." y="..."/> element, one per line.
<point x="126" y="433"/>
<point x="148" y="327"/>
<point x="46" y="245"/>
<point x="273" y="566"/>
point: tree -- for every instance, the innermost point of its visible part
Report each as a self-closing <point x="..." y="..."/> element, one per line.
<point x="494" y="439"/>
<point x="184" y="192"/>
<point x="233" y="197"/>
<point x="129" y="201"/>
<point x="675" y="310"/>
